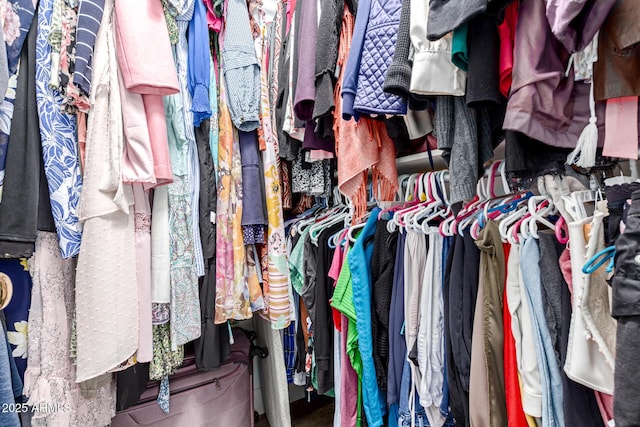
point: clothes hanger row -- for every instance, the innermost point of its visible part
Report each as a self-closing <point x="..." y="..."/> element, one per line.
<point x="422" y="205"/>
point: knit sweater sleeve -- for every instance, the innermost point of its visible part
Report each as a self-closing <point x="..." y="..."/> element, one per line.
<point x="398" y="77"/>
<point x="327" y="55"/>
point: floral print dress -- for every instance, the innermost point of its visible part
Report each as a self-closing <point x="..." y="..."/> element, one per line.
<point x="232" y="289"/>
<point x="59" y="143"/>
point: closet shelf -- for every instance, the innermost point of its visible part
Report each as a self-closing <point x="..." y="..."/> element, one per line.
<point x="419" y="162"/>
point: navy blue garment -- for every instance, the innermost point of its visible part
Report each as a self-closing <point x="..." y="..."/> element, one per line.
<point x="17" y="312"/>
<point x="397" y="343"/>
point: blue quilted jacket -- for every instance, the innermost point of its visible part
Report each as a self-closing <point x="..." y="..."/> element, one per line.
<point x="377" y="54"/>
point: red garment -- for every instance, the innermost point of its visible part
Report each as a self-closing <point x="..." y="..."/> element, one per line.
<point x="515" y="413"/>
<point x="507" y="31"/>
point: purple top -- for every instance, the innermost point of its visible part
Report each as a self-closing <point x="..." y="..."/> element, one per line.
<point x="306" y="80"/>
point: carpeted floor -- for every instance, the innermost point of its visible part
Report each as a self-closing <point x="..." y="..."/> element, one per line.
<point x="303" y="414"/>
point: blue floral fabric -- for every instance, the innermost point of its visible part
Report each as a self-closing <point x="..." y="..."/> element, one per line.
<point x="17" y="20"/>
<point x="59" y="143"/>
<point x="17" y="311"/>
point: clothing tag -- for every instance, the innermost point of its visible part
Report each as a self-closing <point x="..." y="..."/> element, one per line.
<point x="212" y="217"/>
<point x="612" y="423"/>
<point x="337" y="73"/>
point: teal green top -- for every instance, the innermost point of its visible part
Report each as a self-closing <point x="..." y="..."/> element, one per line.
<point x="296" y="263"/>
<point x="459" y="51"/>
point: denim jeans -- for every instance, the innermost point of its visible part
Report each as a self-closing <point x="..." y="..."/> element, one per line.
<point x="404" y="419"/>
<point x="7" y="418"/>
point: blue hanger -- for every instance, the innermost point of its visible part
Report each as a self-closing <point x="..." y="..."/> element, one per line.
<point x="598" y="260"/>
<point x="503" y="208"/>
<point x="512" y="205"/>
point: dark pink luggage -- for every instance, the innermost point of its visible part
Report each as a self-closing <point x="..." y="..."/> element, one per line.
<point x="222" y="397"/>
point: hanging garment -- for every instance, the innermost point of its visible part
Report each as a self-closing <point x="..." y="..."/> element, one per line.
<point x="625" y="310"/>
<point x="585" y="363"/>
<point x="59" y="144"/>
<point x="26" y="207"/>
<point x="433" y="73"/>
<point x="343" y="302"/>
<point x="276" y="275"/>
<point x="409" y="402"/>
<point x="89" y="18"/>
<point x="107" y="333"/>
<point x="575" y="23"/>
<point x="185" y="303"/>
<point x="515" y="410"/>
<point x="621" y="128"/>
<point x="594" y="303"/>
<point x="363" y="145"/>
<point x="397" y="79"/>
<point x="323" y="320"/>
<point x="521" y="330"/>
<point x="415" y="255"/>
<point x="16" y="311"/>
<point x="614" y="73"/>
<point x="18" y="15"/>
<point x="232" y="293"/>
<point x="51" y="374"/>
<point x="213" y="345"/>
<point x="143" y="48"/>
<point x="241" y="68"/>
<point x="305" y="88"/>
<point x="360" y="263"/>
<point x="329" y="30"/>
<point x="160" y="252"/>
<point x="337" y="372"/>
<point x="480" y="406"/>
<point x="142" y="212"/>
<point x="198" y="68"/>
<point x="579" y="402"/>
<point x="492" y="257"/>
<point x="253" y="213"/>
<point x="9" y="418"/>
<point x="466" y="141"/>
<point x="483" y="78"/>
<point x="552" y="407"/>
<point x="382" y="275"/>
<point x="137" y="160"/>
<point x="213" y="129"/>
<point x="192" y="162"/>
<point x="351" y="66"/>
<point x="158" y="138"/>
<point x="430" y="343"/>
<point x="545" y="102"/>
<point x="377" y="53"/>
<point x="507" y="31"/>
<point x="447" y="17"/>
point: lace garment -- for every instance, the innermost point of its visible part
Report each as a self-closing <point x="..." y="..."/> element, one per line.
<point x="50" y="374"/>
